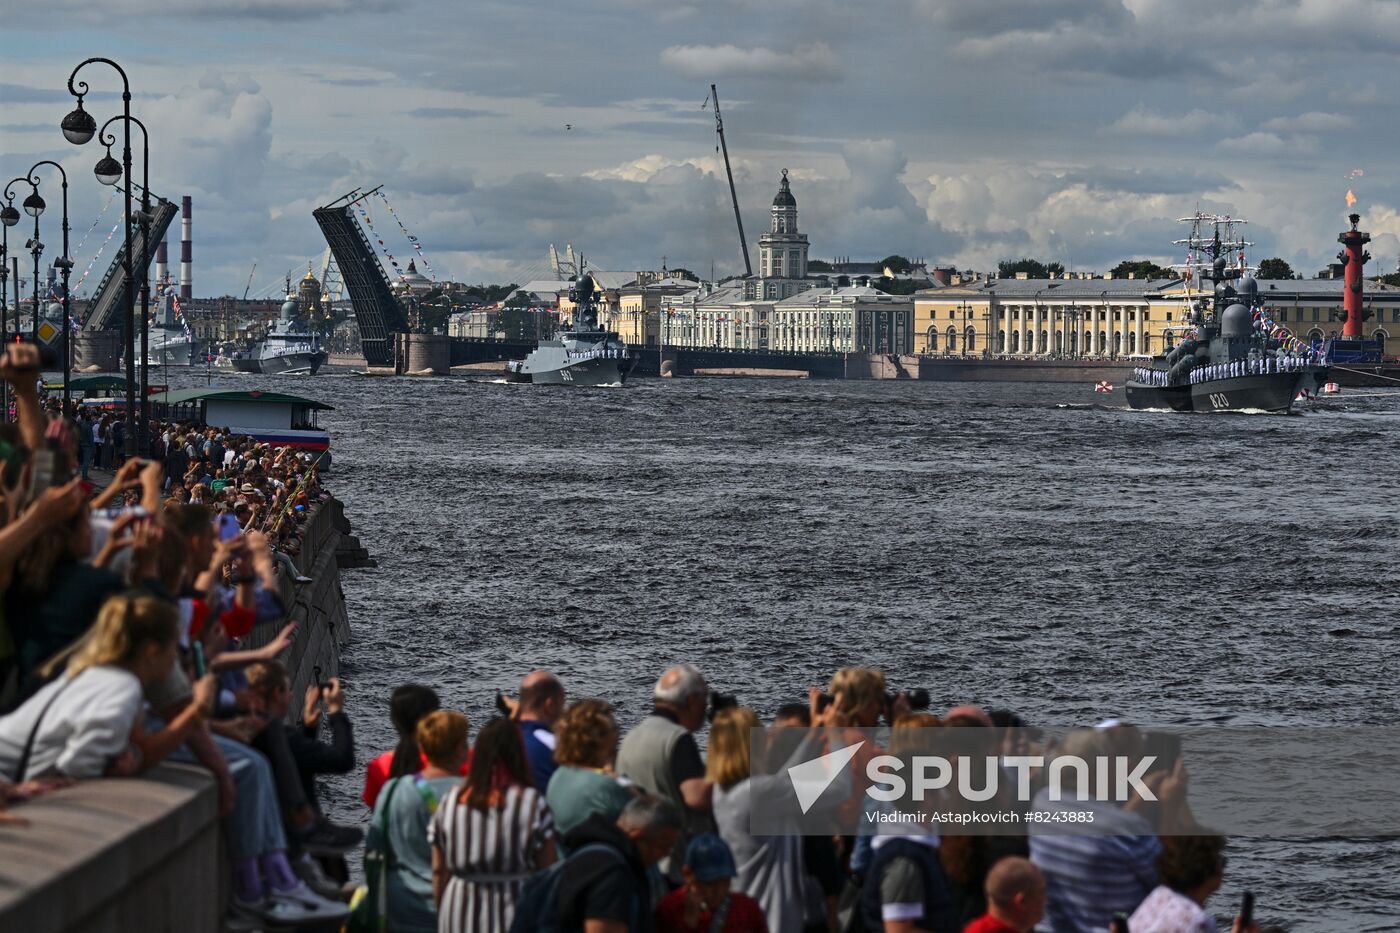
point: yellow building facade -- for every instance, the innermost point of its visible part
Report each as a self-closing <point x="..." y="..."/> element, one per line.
<point x="1113" y="318"/>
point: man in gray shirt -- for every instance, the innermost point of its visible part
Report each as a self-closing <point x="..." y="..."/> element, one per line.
<point x="661" y="756"/>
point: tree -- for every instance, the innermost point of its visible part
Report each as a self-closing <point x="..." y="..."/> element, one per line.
<point x="519" y="300"/>
<point x="520" y="323"/>
<point x="1275" y="269"/>
<point x="683" y="274"/>
<point x="1140" y="269"/>
<point x="1391" y="279"/>
<point x="818" y="265"/>
<point x="896" y="264"/>
<point x="1034" y="268"/>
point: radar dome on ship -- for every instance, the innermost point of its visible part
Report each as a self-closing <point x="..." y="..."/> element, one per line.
<point x="289" y="307"/>
<point x="1236" y="322"/>
<point x="1248" y="286"/>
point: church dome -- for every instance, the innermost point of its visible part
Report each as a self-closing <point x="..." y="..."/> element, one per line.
<point x="784" y="197"/>
<point x="415" y="281"/>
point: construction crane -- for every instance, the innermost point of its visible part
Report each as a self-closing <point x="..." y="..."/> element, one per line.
<point x="249" y="286"/>
<point x="719" y="128"/>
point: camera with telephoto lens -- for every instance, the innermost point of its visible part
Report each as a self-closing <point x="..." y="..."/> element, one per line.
<point x="919" y="699"/>
<point x="720" y="702"/>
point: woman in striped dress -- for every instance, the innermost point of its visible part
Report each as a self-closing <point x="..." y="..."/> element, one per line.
<point x="490" y="837"/>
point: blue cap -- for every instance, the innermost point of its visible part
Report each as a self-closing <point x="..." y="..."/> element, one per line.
<point x="709" y="857"/>
<point x="300" y="508"/>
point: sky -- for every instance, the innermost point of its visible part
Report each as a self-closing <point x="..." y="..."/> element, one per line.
<point x="962" y="133"/>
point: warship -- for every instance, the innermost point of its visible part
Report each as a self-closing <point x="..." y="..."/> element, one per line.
<point x="288" y="346"/>
<point x="582" y="354"/>
<point x="1231" y="357"/>
<point x="169" y="340"/>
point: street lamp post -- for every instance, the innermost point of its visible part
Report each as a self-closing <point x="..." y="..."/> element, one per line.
<point x="64" y="264"/>
<point x="78" y="128"/>
<point x="33" y="206"/>
<point x="9" y="216"/>
<point x="143" y="218"/>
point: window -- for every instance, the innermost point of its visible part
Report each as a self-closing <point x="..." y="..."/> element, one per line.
<point x="1316" y="314"/>
<point x="1169" y="317"/>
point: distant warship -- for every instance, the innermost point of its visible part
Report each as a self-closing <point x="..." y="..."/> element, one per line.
<point x="1231" y="360"/>
<point x="288" y="347"/>
<point x="582" y="354"/>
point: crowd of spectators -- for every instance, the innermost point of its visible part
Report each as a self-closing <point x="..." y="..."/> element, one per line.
<point x="125" y="612"/>
<point x="642" y="832"/>
<point x="121" y="646"/>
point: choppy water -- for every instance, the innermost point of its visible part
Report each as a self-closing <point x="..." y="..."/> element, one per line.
<point x="1009" y="545"/>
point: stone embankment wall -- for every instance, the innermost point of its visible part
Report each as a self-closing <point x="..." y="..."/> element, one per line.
<point x="144" y="854"/>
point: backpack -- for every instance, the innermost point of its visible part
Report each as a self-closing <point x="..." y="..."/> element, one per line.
<point x="537" y="910"/>
<point x="369" y="911"/>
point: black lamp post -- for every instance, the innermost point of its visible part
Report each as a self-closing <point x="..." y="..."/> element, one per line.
<point x="9" y="216"/>
<point x="143" y="217"/>
<point x="33" y="206"/>
<point x="64" y="264"/>
<point x="78" y="128"/>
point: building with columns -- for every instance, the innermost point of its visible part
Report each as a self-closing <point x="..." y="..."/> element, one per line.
<point x="1069" y="317"/>
<point x="844" y="320"/>
<point x="1114" y="318"/>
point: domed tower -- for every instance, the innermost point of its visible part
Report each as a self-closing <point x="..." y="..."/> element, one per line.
<point x="782" y="251"/>
<point x="308" y="294"/>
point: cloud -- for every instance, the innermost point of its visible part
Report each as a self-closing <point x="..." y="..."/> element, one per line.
<point x="813" y="62"/>
<point x="268" y="10"/>
<point x="1141" y="121"/>
<point x="24" y="94"/>
<point x="647" y="167"/>
<point x="1271" y="145"/>
<point x="451" y="113"/>
<point x="1068" y="51"/>
<point x="1311" y="122"/>
<point x="1024" y="15"/>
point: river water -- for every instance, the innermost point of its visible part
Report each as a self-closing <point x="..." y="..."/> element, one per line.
<point x="1036" y="547"/>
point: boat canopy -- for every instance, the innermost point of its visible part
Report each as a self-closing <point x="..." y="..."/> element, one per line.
<point x="247" y="396"/>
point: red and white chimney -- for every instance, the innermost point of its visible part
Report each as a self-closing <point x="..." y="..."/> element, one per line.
<point x="162" y="266"/>
<point x="186" y="278"/>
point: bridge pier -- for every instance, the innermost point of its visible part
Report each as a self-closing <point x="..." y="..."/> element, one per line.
<point x="96" y="350"/>
<point x="422" y="354"/>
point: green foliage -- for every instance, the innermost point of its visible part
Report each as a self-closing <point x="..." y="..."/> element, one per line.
<point x="1141" y="269"/>
<point x="1392" y="278"/>
<point x="818" y="265"/>
<point x="519" y="300"/>
<point x="519" y="323"/>
<point x="1034" y="268"/>
<point x="1275" y="269"/>
<point x="896" y="264"/>
<point x="683" y="274"/>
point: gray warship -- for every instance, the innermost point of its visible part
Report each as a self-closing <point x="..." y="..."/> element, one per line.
<point x="582" y="354"/>
<point x="289" y="346"/>
<point x="1228" y="360"/>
